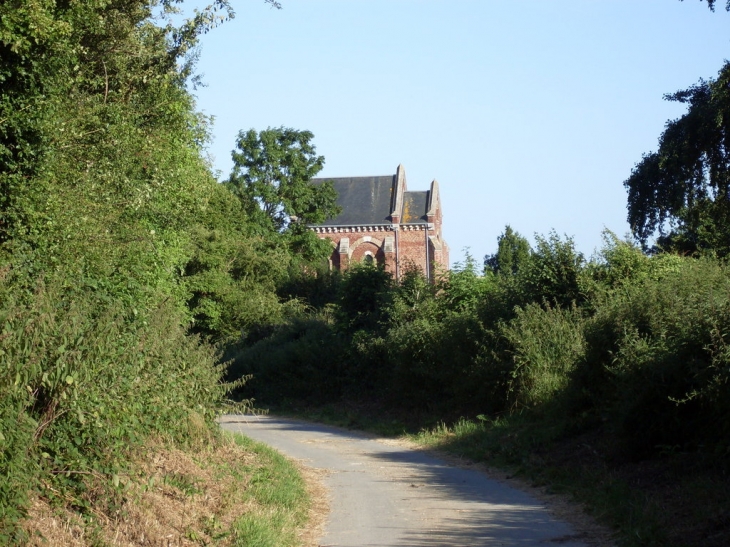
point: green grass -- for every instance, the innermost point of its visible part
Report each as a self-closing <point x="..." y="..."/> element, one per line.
<point x="278" y="494"/>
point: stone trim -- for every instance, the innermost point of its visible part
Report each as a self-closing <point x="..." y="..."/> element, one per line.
<point x="399" y="190"/>
<point x="367" y="239"/>
<point x="376" y="228"/>
<point x="434" y="200"/>
<point x="349" y="229"/>
<point x="436" y="243"/>
<point x="344" y="246"/>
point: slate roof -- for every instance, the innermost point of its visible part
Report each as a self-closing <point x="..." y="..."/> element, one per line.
<point x="415" y="206"/>
<point x="364" y="200"/>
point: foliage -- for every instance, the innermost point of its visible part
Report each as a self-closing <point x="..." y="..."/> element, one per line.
<point x="106" y="203"/>
<point x="619" y="263"/>
<point x="655" y="358"/>
<point x="628" y="342"/>
<point x="317" y="287"/>
<point x="546" y="343"/>
<point x="301" y="359"/>
<point x="231" y="276"/>
<point x="84" y="379"/>
<point x="232" y="283"/>
<point x="513" y="252"/>
<point x="685" y="185"/>
<point x="711" y="4"/>
<point x="413" y="296"/>
<point x="365" y="296"/>
<point x="463" y="288"/>
<point x="553" y="272"/>
<point x="441" y="364"/>
<point x="272" y="176"/>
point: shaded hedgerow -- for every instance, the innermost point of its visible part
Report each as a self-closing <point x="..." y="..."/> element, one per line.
<point x="640" y="352"/>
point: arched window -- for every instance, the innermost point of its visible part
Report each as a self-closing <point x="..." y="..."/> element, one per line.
<point x="368" y="259"/>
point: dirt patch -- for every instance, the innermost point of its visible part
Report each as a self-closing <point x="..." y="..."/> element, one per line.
<point x="319" y="508"/>
<point x="173" y="500"/>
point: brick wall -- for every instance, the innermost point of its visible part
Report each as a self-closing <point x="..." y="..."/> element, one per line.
<point x="360" y="242"/>
<point x="412" y="247"/>
<point x="351" y="245"/>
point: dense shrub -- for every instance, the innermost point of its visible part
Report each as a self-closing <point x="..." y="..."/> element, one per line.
<point x="303" y="359"/>
<point x="231" y="281"/>
<point x="364" y="298"/>
<point x="655" y="365"/>
<point x="105" y="200"/>
<point x="633" y="345"/>
<point x="83" y="378"/>
<point x="545" y="344"/>
<point x="552" y="273"/>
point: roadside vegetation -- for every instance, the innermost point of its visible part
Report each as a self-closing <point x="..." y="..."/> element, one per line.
<point x="138" y="297"/>
<point x="218" y="490"/>
<point x="605" y="378"/>
<point x="123" y="265"/>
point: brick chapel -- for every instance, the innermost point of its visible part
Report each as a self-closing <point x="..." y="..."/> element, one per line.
<point x="382" y="222"/>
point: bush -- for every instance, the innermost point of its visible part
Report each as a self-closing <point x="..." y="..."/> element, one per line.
<point x="552" y="273"/>
<point x="365" y="296"/>
<point x="83" y="379"/>
<point x="545" y="342"/>
<point x="655" y="366"/>
<point x="303" y="359"/>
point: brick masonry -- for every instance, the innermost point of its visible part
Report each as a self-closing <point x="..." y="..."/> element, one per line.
<point x="403" y="238"/>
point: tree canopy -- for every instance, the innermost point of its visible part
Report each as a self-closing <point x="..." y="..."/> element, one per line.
<point x="272" y="176"/>
<point x="682" y="191"/>
<point x="513" y="252"/>
<point x="711" y="4"/>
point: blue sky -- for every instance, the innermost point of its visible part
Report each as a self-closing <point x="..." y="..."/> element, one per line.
<point x="528" y="113"/>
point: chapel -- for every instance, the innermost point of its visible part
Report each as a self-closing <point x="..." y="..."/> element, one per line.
<point x="382" y="222"/>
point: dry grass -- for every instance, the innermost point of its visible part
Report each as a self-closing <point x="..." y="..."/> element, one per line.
<point x="319" y="507"/>
<point x="175" y="498"/>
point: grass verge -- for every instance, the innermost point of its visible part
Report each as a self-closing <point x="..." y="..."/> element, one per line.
<point x="226" y="491"/>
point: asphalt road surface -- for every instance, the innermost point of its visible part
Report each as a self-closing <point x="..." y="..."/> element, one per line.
<point x="383" y="493"/>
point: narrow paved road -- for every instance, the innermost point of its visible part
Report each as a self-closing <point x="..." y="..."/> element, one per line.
<point x="383" y="494"/>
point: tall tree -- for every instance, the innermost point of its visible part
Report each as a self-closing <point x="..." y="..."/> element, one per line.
<point x="272" y="176"/>
<point x="682" y="191"/>
<point x="513" y="252"/>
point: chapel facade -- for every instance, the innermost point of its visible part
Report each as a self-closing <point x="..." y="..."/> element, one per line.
<point x="382" y="222"/>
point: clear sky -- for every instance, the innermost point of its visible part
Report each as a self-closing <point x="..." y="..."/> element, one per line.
<point x="528" y="113"/>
